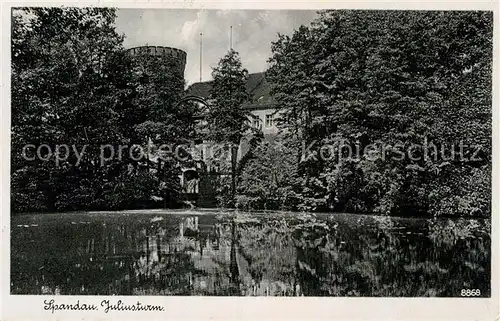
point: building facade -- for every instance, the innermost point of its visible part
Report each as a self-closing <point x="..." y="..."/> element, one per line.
<point x="260" y="104"/>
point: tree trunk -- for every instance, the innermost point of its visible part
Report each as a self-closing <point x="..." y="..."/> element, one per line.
<point x="234" y="155"/>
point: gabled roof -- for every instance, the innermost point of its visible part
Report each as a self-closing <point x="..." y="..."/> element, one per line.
<point x="201" y="89"/>
<point x="257" y="87"/>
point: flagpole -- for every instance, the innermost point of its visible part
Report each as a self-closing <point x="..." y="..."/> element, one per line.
<point x="201" y="54"/>
<point x="230" y="37"/>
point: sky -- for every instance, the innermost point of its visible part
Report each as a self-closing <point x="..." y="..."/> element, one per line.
<point x="253" y="32"/>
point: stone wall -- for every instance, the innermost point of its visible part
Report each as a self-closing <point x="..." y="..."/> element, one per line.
<point x="176" y="54"/>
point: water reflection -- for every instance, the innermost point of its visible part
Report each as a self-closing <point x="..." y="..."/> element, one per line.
<point x="256" y="255"/>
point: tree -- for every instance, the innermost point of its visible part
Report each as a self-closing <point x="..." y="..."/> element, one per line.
<point x="74" y="84"/>
<point x="66" y="87"/>
<point x="227" y="120"/>
<point x="303" y="120"/>
<point x="265" y="181"/>
<point x="390" y="79"/>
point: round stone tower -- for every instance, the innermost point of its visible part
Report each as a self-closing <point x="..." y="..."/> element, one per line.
<point x="177" y="56"/>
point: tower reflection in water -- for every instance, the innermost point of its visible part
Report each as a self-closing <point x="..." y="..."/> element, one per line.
<point x="341" y="255"/>
<point x="194" y="261"/>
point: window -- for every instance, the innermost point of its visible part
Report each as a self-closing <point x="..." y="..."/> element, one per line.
<point x="270" y="120"/>
<point x="256" y="123"/>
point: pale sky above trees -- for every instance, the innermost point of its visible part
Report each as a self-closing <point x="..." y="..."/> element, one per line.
<point x="253" y="32"/>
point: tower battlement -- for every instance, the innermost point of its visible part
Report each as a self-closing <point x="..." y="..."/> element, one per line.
<point x="177" y="54"/>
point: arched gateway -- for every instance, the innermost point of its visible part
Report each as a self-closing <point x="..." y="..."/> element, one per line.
<point x="198" y="181"/>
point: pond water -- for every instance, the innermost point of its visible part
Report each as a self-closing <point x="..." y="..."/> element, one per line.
<point x="256" y="254"/>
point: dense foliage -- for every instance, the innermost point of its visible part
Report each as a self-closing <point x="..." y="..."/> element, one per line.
<point x="416" y="84"/>
<point x="379" y="111"/>
<point x="266" y="180"/>
<point x="73" y="84"/>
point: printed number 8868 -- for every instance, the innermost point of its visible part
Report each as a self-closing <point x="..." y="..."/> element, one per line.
<point x="470" y="292"/>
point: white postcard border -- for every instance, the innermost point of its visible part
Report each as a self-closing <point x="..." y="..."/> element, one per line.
<point x="31" y="307"/>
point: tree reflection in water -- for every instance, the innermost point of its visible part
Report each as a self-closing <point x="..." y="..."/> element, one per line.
<point x="248" y="254"/>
